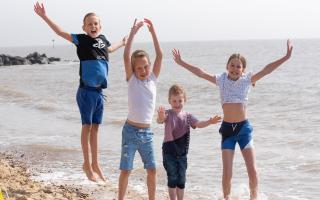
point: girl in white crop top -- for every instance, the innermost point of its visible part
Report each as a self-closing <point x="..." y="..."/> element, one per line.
<point x="234" y="87"/>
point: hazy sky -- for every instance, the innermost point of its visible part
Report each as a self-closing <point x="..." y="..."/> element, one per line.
<point x="174" y="20"/>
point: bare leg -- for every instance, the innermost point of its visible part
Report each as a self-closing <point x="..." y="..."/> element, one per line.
<point x="123" y="183"/>
<point x="94" y="151"/>
<point x="172" y="193"/>
<point x="227" y="161"/>
<point x="249" y="158"/>
<point x="180" y="193"/>
<point x="85" y="133"/>
<point x="151" y="183"/>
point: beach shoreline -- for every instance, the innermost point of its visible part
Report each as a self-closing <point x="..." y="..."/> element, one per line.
<point x="17" y="183"/>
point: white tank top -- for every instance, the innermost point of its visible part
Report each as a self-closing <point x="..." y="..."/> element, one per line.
<point x="141" y="99"/>
<point x="234" y="91"/>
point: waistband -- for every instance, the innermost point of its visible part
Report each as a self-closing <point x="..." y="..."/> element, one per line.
<point x="97" y="89"/>
<point x="235" y="123"/>
<point x="138" y="129"/>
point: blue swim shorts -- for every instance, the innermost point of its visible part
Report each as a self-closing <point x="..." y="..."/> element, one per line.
<point x="90" y="103"/>
<point x="176" y="167"/>
<point x="232" y="133"/>
<point x="137" y="139"/>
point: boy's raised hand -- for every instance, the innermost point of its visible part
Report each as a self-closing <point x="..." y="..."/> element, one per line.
<point x="136" y="26"/>
<point x="215" y="119"/>
<point x="177" y="56"/>
<point x="39" y="9"/>
<point x="162" y="115"/>
<point x="289" y="49"/>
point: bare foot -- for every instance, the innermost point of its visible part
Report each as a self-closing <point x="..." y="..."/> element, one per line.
<point x="97" y="169"/>
<point x="89" y="173"/>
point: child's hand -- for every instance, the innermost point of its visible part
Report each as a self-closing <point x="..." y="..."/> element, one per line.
<point x="39" y="9"/>
<point x="149" y="24"/>
<point x="136" y="26"/>
<point x="124" y="40"/>
<point x="177" y="56"/>
<point x="162" y="115"/>
<point x="289" y="49"/>
<point x="215" y="119"/>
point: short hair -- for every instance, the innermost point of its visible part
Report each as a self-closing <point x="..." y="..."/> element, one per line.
<point x="177" y="90"/>
<point x="139" y="54"/>
<point x="240" y="57"/>
<point x="89" y="15"/>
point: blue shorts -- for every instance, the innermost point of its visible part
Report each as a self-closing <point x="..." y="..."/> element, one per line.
<point x="176" y="167"/>
<point x="243" y="135"/>
<point x="134" y="139"/>
<point x="90" y="103"/>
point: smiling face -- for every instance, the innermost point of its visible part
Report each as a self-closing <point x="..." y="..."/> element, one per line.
<point x="177" y="98"/>
<point x="91" y="25"/>
<point x="236" y="66"/>
<point x="177" y="102"/>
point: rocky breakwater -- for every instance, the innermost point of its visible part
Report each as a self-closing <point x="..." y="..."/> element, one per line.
<point x="32" y="58"/>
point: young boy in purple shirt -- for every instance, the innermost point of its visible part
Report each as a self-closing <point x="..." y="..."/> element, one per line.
<point x="176" y="139"/>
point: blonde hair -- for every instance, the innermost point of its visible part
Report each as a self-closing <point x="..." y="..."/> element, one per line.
<point x="240" y="57"/>
<point x="89" y="15"/>
<point x="177" y="90"/>
<point x="139" y="54"/>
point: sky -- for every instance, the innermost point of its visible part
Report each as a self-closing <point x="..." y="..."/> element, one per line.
<point x="174" y="20"/>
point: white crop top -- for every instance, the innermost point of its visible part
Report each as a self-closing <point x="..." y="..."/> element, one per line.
<point x="234" y="91"/>
<point x="141" y="99"/>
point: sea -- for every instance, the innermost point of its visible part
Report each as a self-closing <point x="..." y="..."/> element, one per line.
<point x="39" y="117"/>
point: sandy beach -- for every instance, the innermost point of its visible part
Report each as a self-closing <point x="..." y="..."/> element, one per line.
<point x="16" y="183"/>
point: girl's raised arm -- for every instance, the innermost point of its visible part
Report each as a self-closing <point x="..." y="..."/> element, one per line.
<point x="274" y="65"/>
<point x="127" y="49"/>
<point x="195" y="70"/>
<point x="158" y="59"/>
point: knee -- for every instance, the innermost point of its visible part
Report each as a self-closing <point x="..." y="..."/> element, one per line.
<point x="125" y="173"/>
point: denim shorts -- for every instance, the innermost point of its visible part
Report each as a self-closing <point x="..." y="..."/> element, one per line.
<point x="137" y="139"/>
<point x="90" y="103"/>
<point x="243" y="137"/>
<point x="176" y="167"/>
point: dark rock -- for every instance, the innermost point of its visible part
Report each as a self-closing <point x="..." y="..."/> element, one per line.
<point x="32" y="58"/>
<point x="54" y="59"/>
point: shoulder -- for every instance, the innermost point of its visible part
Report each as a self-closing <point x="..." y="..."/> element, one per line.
<point x="220" y="77"/>
<point x="152" y="77"/>
<point x="247" y="76"/>
<point x="103" y="37"/>
<point x="77" y="38"/>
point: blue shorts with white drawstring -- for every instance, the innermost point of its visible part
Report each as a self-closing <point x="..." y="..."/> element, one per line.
<point x="90" y="103"/>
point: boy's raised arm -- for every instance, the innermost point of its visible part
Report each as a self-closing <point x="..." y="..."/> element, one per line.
<point x="195" y="70"/>
<point x="117" y="45"/>
<point x="40" y="10"/>
<point x="274" y="65"/>
<point x="127" y="49"/>
<point x="158" y="60"/>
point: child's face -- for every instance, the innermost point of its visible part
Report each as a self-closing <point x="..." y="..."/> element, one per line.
<point x="141" y="68"/>
<point x="177" y="102"/>
<point x="235" y="69"/>
<point x="92" y="26"/>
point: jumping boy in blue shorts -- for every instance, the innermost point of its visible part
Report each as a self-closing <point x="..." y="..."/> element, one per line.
<point x="92" y="50"/>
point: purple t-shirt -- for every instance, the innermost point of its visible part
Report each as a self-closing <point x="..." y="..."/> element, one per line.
<point x="177" y="132"/>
